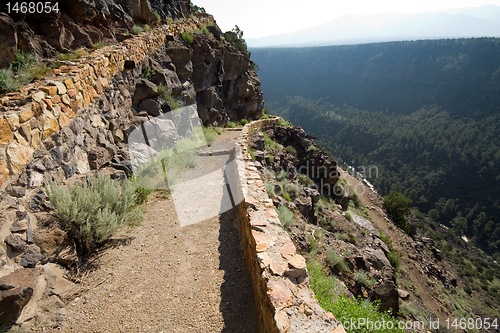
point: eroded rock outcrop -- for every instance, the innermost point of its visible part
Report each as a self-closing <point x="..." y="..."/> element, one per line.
<point x="79" y="23"/>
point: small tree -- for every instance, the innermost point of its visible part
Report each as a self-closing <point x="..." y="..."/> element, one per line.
<point x="196" y="10"/>
<point x="399" y="207"/>
<point x="235" y="38"/>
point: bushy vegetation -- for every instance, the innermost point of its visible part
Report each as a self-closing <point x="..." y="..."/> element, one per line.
<point x="291" y="150"/>
<point x="93" y="209"/>
<point x="149" y="74"/>
<point x="343" y="308"/>
<point x="270" y="144"/>
<point x="305" y="180"/>
<point x="334" y="260"/>
<point x="22" y="71"/>
<point x="188" y="37"/>
<point x="281" y="175"/>
<point x="72" y="55"/>
<point x="362" y="278"/>
<point x="137" y="29"/>
<point x="165" y="94"/>
<point x="196" y="9"/>
<point x="231" y="124"/>
<point x="235" y="38"/>
<point x="99" y="45"/>
<point x="285" y="216"/>
<point x="399" y="207"/>
<point x="393" y="256"/>
<point x="270" y="189"/>
<point x="283" y="122"/>
<point x="211" y="134"/>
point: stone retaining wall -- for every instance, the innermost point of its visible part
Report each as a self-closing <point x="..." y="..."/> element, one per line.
<point x="279" y="274"/>
<point x="45" y="107"/>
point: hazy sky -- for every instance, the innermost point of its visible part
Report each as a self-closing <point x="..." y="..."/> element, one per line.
<point x="258" y="18"/>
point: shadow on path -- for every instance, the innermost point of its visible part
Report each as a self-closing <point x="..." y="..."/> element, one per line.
<point x="237" y="299"/>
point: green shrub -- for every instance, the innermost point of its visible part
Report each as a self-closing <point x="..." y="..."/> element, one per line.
<point x="157" y="16"/>
<point x="148" y="73"/>
<point x="334" y="260"/>
<point x="252" y="153"/>
<point x="147" y="28"/>
<point x="165" y="94"/>
<point x="95" y="208"/>
<point x="291" y="150"/>
<point x="210" y="134"/>
<point x="137" y="30"/>
<point x="399" y="207"/>
<point x="235" y="38"/>
<point x="292" y="189"/>
<point x="230" y="124"/>
<point x="281" y="175"/>
<point x="243" y="122"/>
<point x="352" y="238"/>
<point x="270" y="189"/>
<point x="21" y="72"/>
<point x="99" y="45"/>
<point x="395" y="260"/>
<point x="344" y="309"/>
<point x="363" y="279"/>
<point x="195" y="9"/>
<point x="285" y="216"/>
<point x="286" y="196"/>
<point x="188" y="37"/>
<point x="283" y="122"/>
<point x="268" y="174"/>
<point x="305" y="180"/>
<point x="407" y="309"/>
<point x="348" y="216"/>
<point x="264" y="116"/>
<point x="320" y="205"/>
<point x="270" y="143"/>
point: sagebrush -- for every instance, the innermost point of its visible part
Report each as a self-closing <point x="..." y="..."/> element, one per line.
<point x="94" y="208"/>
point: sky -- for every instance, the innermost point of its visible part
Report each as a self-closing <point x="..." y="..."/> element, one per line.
<point x="258" y="18"/>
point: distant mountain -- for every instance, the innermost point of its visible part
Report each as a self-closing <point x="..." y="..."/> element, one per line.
<point x="481" y="21"/>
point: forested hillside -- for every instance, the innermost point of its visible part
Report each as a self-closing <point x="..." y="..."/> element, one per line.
<point x="426" y="113"/>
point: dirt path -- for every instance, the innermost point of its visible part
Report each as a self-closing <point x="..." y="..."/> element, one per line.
<point x="161" y="277"/>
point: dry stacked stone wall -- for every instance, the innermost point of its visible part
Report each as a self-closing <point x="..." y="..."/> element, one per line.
<point x="279" y="274"/>
<point x="46" y="107"/>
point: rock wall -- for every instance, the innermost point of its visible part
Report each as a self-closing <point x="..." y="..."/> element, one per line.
<point x="77" y="122"/>
<point x="279" y="274"/>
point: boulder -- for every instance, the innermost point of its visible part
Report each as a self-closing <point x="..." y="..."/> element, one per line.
<point x="181" y="58"/>
<point x="16" y="290"/>
<point x="31" y="257"/>
<point x="144" y="89"/>
<point x="304" y="205"/>
<point x="257" y="141"/>
<point x="377" y="258"/>
<point x="312" y="193"/>
<point x="404" y="295"/>
<point x="152" y="107"/>
<point x="387" y="293"/>
<point x="16" y="243"/>
<point x="98" y="157"/>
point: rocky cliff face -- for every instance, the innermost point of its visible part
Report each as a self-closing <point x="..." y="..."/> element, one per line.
<point x="79" y="23"/>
